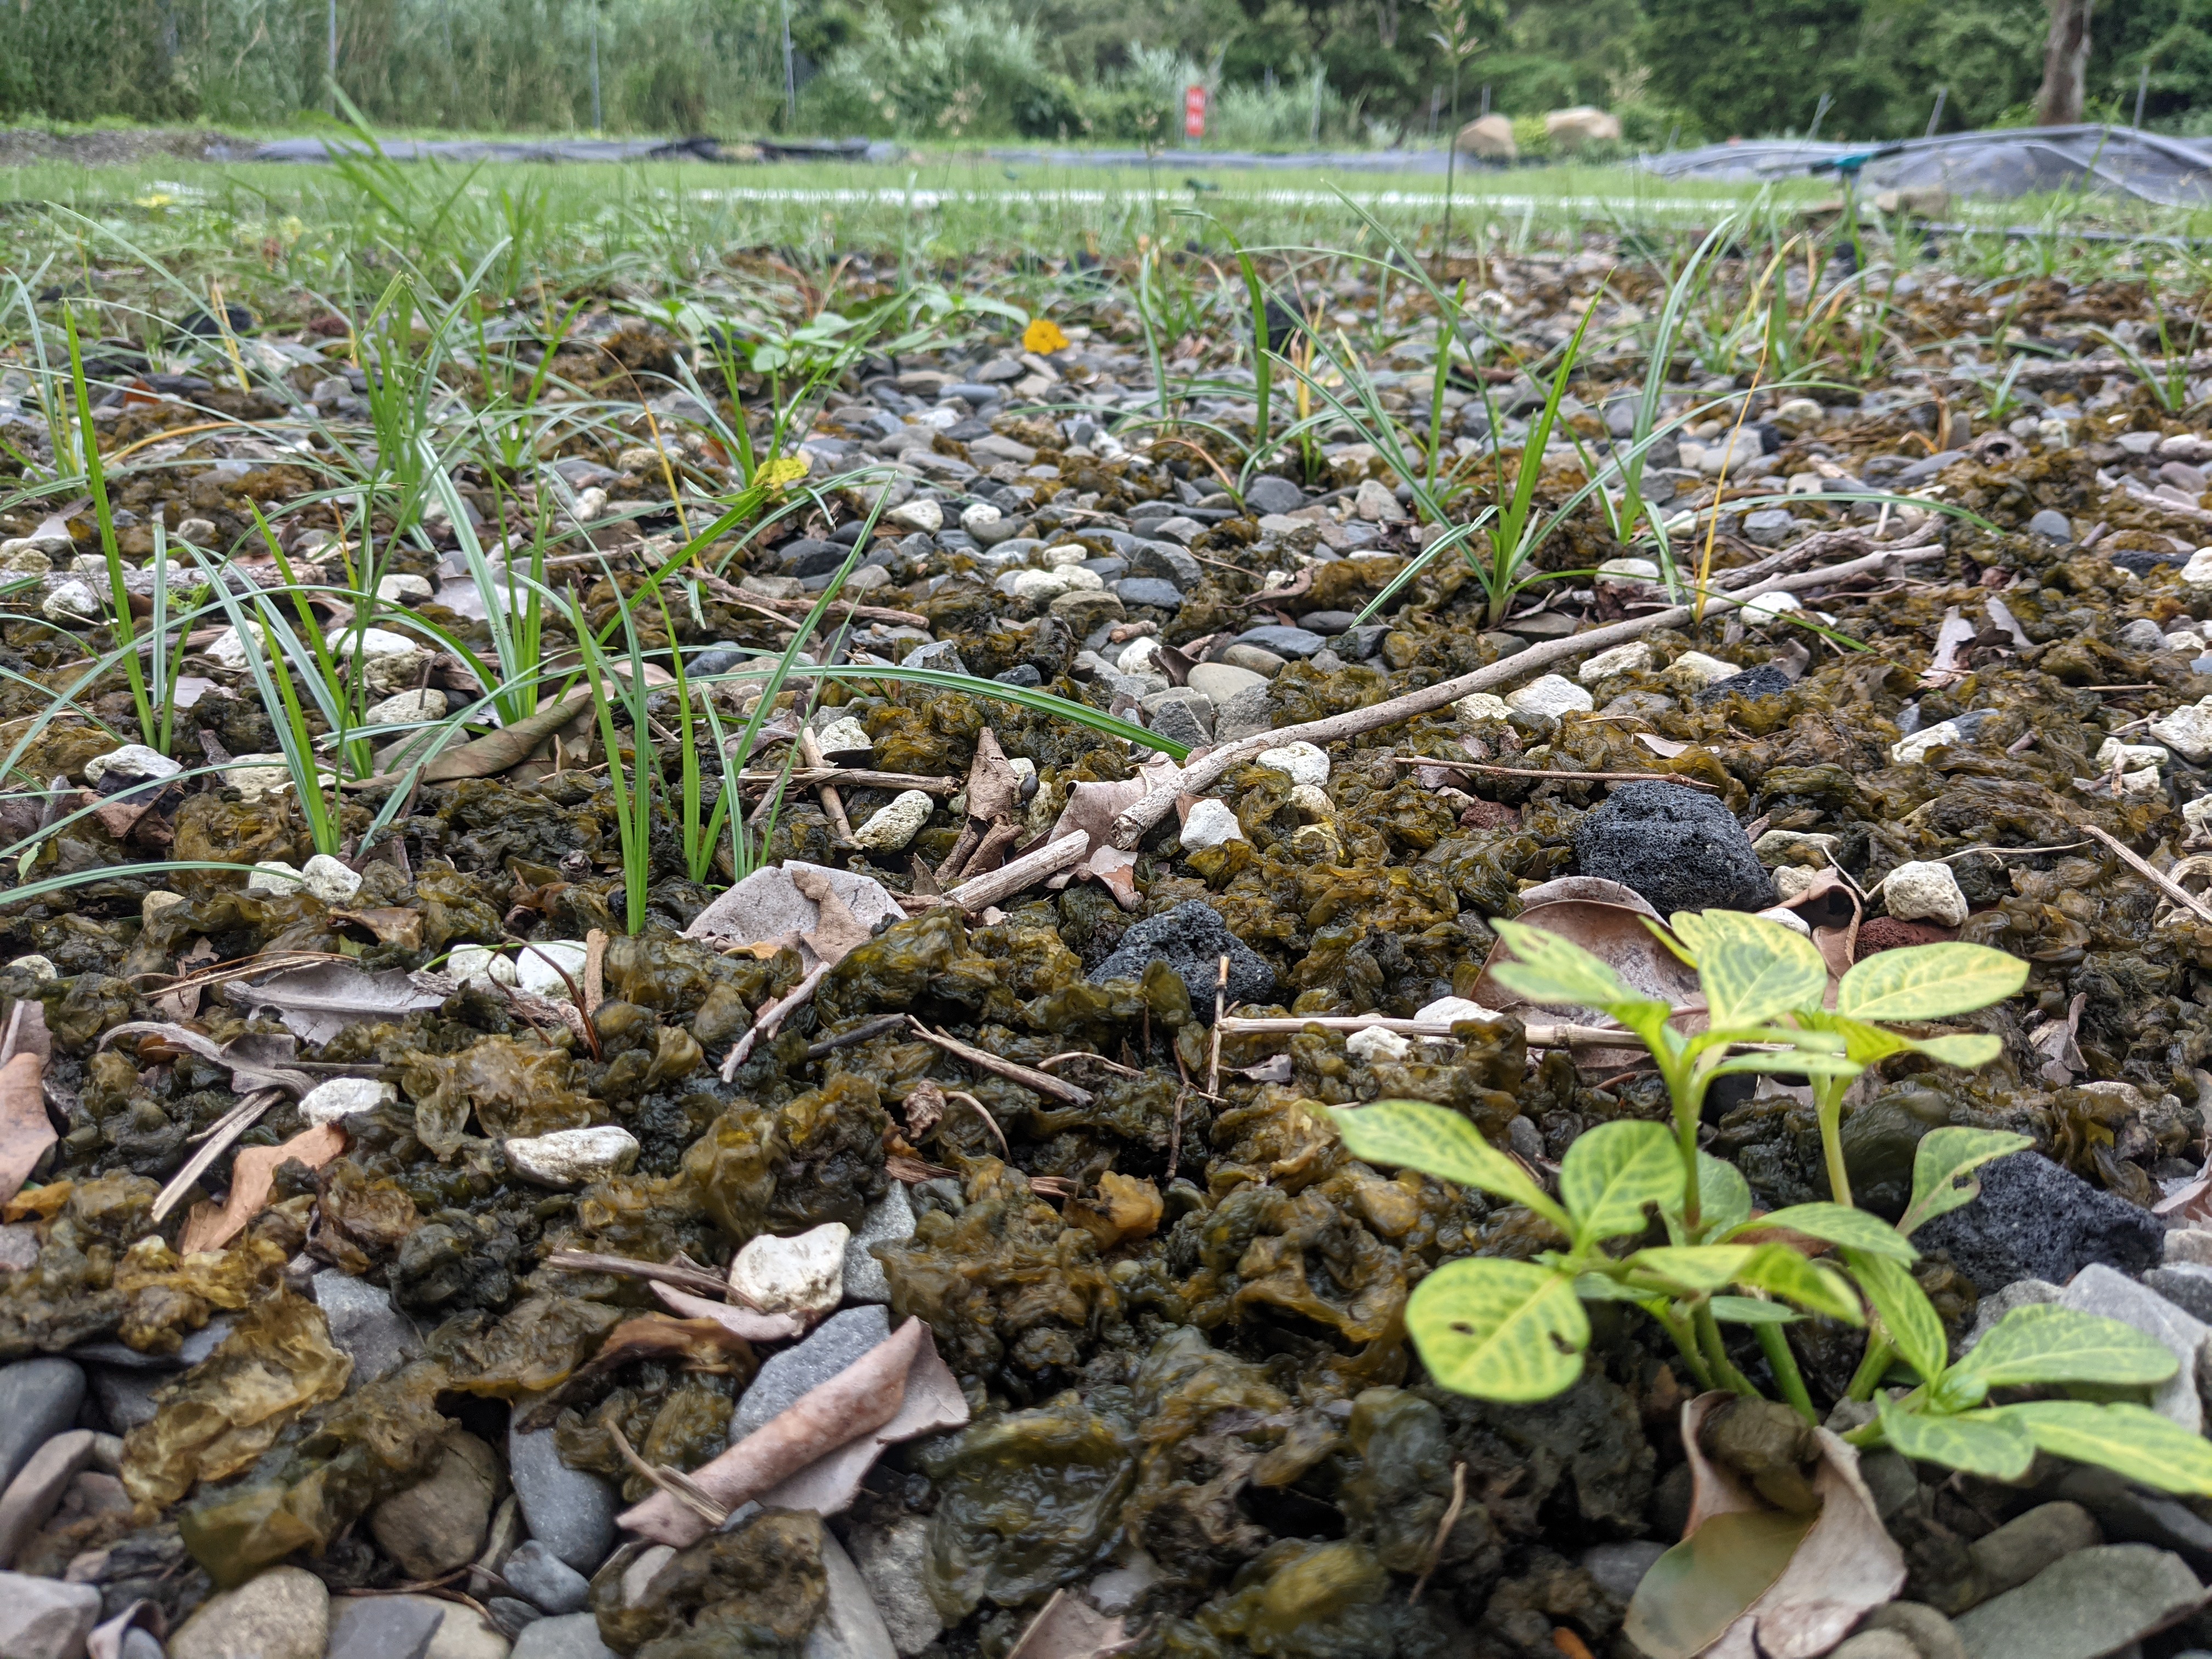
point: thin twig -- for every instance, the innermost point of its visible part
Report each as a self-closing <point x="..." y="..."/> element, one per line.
<point x="1075" y="1054"/>
<point x="983" y="1112"/>
<point x="671" y="1481"/>
<point x="833" y="804"/>
<point x="765" y="1023"/>
<point x="1029" y="1077"/>
<point x="866" y="1030"/>
<point x="1489" y="770"/>
<point x="1443" y="1531"/>
<point x="696" y="1280"/>
<point x="2166" y="885"/>
<point x="233" y="1123"/>
<point x="1213" y="1058"/>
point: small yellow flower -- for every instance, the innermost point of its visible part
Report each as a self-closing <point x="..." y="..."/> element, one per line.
<point x="776" y="474"/>
<point x="1044" y="336"/>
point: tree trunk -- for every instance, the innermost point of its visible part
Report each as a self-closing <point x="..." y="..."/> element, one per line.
<point x="2065" y="65"/>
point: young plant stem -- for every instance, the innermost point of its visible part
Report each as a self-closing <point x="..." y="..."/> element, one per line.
<point x="1725" y="1374"/>
<point x="1828" y="1102"/>
<point x="1685" y="1340"/>
<point x="1774" y="1343"/>
<point x="1871" y="1369"/>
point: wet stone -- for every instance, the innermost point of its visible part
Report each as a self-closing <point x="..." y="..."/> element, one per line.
<point x="364" y="1324"/>
<point x="39" y="1398"/>
<point x="2050" y="525"/>
<point x="890" y="1220"/>
<point x="284" y="1614"/>
<point x="1283" y="641"/>
<point x="576" y="1636"/>
<point x="43" y="1619"/>
<point x="2089" y="1604"/>
<point x="1269" y="494"/>
<point x="2097" y="1289"/>
<point x="1148" y="590"/>
<point x="2028" y="1543"/>
<point x="551" y="1584"/>
<point x="382" y="1627"/>
<point x="2036" y="1220"/>
<point x="1681" y="848"/>
<point x="1191" y="938"/>
<point x="569" y="1511"/>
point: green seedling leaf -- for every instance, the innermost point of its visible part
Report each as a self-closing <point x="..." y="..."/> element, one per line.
<point x="1929" y="982"/>
<point x="1752" y="970"/>
<point x="1780" y="1271"/>
<point x="1750" y="1311"/>
<point x="1967" y="1050"/>
<point x="2133" y="1441"/>
<point x="1838" y="1223"/>
<point x="1612" y="1172"/>
<point x="1551" y="971"/>
<point x="1499" y="1330"/>
<point x="2042" y="1343"/>
<point x="1957" y="1391"/>
<point x="1943" y="1166"/>
<point x="1863" y="1042"/>
<point x="1599" y="1287"/>
<point x="1695" y="1591"/>
<point x="1724" y="1199"/>
<point x="1693" y="1267"/>
<point x="1914" y="1327"/>
<point x="1441" y="1143"/>
<point x="1986" y="1444"/>
<point x="1797" y="1060"/>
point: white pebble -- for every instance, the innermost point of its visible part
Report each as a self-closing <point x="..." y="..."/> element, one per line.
<point x="1374" y="1044"/>
<point x="1303" y="762"/>
<point x="1478" y="706"/>
<point x="36" y="967"/>
<point x="1629" y="658"/>
<point x="1210" y="824"/>
<point x="1924" y="891"/>
<point x="1907" y="750"/>
<point x="2188" y="729"/>
<point x="922" y="513"/>
<point x="71" y="602"/>
<point x="342" y="1096"/>
<point x="896" y="824"/>
<point x="1706" y="671"/>
<point x="132" y="760"/>
<point x="1767" y="606"/>
<point x="329" y="880"/>
<point x="803" y="1275"/>
<point x="1554" y="694"/>
<point x="1312" y="803"/>
<point x="976" y="514"/>
<point x="1788" y="917"/>
<point x="470" y="962"/>
<point x="568" y="1157"/>
<point x="844" y="736"/>
<point x="274" y="878"/>
<point x="535" y="973"/>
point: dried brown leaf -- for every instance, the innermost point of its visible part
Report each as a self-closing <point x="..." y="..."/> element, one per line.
<point x="839" y="933"/>
<point x="319" y="1001"/>
<point x="1069" y="1627"/>
<point x="994" y="789"/>
<point x="924" y="1106"/>
<point x="864" y="1397"/>
<point x="931" y="1404"/>
<point x="253" y="1172"/>
<point x="26" y="1032"/>
<point x="25" y="1131"/>
<point x="253" y="1061"/>
<point x="753" y="1326"/>
<point x="389" y="924"/>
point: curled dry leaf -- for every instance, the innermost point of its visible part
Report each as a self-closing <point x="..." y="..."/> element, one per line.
<point x="25" y="1131"/>
<point x="1750" y="1580"/>
<point x="387" y="924"/>
<point x="768" y="909"/>
<point x="319" y="1001"/>
<point x="924" y="1106"/>
<point x="753" y="1326"/>
<point x="210" y="1226"/>
<point x="1093" y="808"/>
<point x="254" y="1061"/>
<point x="859" y="1407"/>
<point x="25" y="1033"/>
<point x="1831" y="909"/>
<point x="1069" y="1627"/>
<point x="1613" y="923"/>
<point x="839" y="933"/>
<point x="2055" y="1040"/>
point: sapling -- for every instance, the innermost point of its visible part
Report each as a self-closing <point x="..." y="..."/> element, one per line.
<point x="1517" y="1330"/>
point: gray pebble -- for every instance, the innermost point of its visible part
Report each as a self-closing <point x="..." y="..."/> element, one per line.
<point x="39" y="1398"/>
<point x="574" y="1636"/>
<point x="534" y="1571"/>
<point x="570" y="1512"/>
<point x="841" y="1339"/>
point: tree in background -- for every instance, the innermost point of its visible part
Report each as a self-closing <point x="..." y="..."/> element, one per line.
<point x="1761" y="66"/>
<point x="2065" y="65"/>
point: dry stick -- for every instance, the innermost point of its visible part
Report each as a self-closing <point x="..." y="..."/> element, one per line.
<point x="2166" y="885"/>
<point x="1443" y="1531"/>
<point x="1042" y="1083"/>
<point x="1488" y="770"/>
<point x="695" y="1280"/>
<point x="1135" y="821"/>
<point x="1213" y="1061"/>
<point x="769" y="1018"/>
<point x="1538" y="1036"/>
<point x="833" y="804"/>
<point x="859" y="778"/>
<point x="233" y="1124"/>
<point x="1032" y="867"/>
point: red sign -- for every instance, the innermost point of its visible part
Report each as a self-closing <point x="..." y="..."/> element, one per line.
<point x="1193" y="112"/>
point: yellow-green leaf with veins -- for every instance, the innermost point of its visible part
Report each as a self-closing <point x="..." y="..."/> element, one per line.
<point x="1612" y="1172"/>
<point x="1929" y="982"/>
<point x="1943" y="1168"/>
<point x="1916" y="1329"/>
<point x="2130" y="1440"/>
<point x="1838" y="1223"/>
<point x="2044" y="1343"/>
<point x="1986" y="1444"/>
<point x="1751" y="970"/>
<point x="1498" y="1330"/>
<point x="1550" y="969"/>
<point x="1724" y="1199"/>
<point x="1441" y="1143"/>
<point x="1780" y="1271"/>
<point x="1693" y="1267"/>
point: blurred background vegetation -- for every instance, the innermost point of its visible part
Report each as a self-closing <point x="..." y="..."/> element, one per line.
<point x="1285" y="73"/>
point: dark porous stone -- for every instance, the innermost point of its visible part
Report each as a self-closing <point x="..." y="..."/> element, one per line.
<point x="1191" y="938"/>
<point x="1283" y="641"/>
<point x="1764" y="681"/>
<point x="1358" y="644"/>
<point x="1681" y="849"/>
<point x="1165" y="561"/>
<point x="808" y="558"/>
<point x="1022" y="673"/>
<point x="2142" y="561"/>
<point x="2036" y="1220"/>
<point x="1268" y="494"/>
<point x="1149" y="590"/>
